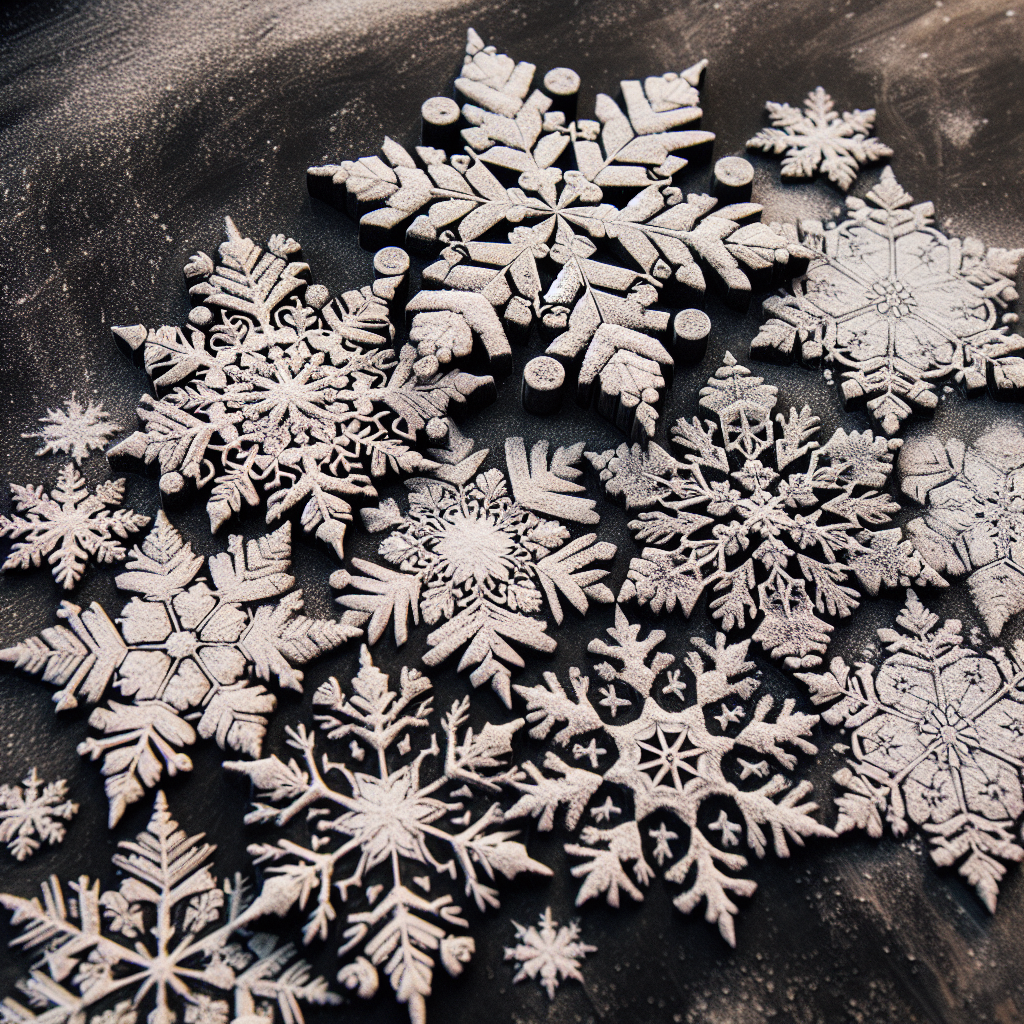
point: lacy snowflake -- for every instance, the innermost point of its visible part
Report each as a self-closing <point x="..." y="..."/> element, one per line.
<point x="36" y="810"/>
<point x="681" y="755"/>
<point x="163" y="936"/>
<point x="394" y="821"/>
<point x="75" y="430"/>
<point x="550" y="952"/>
<point x="896" y="307"/>
<point x="937" y="736"/>
<point x="185" y="653"/>
<point x="480" y="560"/>
<point x="765" y="503"/>
<point x="69" y="526"/>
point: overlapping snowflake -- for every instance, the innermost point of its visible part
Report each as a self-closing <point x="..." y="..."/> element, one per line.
<point x="34" y="815"/>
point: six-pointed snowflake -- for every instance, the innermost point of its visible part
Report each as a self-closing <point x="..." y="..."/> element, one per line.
<point x="75" y="430"/>
<point x="937" y="737"/>
<point x="391" y="823"/>
<point x="551" y="952"/>
<point x="896" y="306"/>
<point x="34" y="811"/>
<point x="775" y="526"/>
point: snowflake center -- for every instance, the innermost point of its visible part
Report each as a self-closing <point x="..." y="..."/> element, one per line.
<point x="475" y="546"/>
<point x="182" y="644"/>
<point x="892" y="298"/>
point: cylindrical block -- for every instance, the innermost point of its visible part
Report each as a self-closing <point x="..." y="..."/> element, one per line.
<point x="690" y="330"/>
<point x="563" y="86"/>
<point x="391" y="274"/>
<point x="733" y="180"/>
<point x="543" y="381"/>
<point x="440" y="125"/>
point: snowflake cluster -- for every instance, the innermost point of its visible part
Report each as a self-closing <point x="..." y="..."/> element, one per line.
<point x="34" y="815"/>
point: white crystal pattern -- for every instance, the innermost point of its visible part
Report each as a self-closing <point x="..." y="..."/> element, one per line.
<point x="75" y="430"/>
<point x="548" y="953"/>
<point x="34" y="815"/>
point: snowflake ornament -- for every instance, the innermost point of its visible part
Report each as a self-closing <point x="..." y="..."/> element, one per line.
<point x="775" y="524"/>
<point x="478" y="561"/>
<point x="548" y="953"/>
<point x="75" y="430"/>
<point x="896" y="307"/>
<point x="38" y="810"/>
<point x="69" y="526"/>
<point x="937" y="739"/>
<point x="168" y="936"/>
<point x="392" y="822"/>
<point x="184" y="652"/>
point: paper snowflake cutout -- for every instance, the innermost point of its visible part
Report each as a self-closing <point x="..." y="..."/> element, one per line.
<point x="185" y="653"/>
<point x="69" y="526"/>
<point x="895" y="306"/>
<point x="163" y="937"/>
<point x="974" y="519"/>
<point x="539" y="250"/>
<point x="774" y="524"/>
<point x="690" y="744"/>
<point x="278" y="390"/>
<point x="547" y="953"/>
<point x="38" y="810"/>
<point x="937" y="737"/>
<point x="480" y="561"/>
<point x="75" y="430"/>
<point x="394" y="822"/>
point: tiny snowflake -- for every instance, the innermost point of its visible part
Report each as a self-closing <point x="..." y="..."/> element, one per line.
<point x="551" y="952"/>
<point x="69" y="526"/>
<point x="34" y="811"/>
<point x="75" y="430"/>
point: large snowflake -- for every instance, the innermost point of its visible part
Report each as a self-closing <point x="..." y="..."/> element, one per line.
<point x="75" y="430"/>
<point x="553" y="247"/>
<point x="548" y="953"/>
<point x="34" y="815"/>
<point x="896" y="307"/>
<point x="184" y="652"/>
<point x="937" y="737"/>
<point x="168" y="936"/>
<point x="392" y="821"/>
<point x="480" y="560"/>
<point x="776" y="525"/>
<point x="680" y="754"/>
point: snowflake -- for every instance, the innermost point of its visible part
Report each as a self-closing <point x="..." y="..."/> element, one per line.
<point x="761" y="519"/>
<point x="937" y="734"/>
<point x="75" y="430"/>
<point x="817" y="137"/>
<point x="184" y="652"/>
<point x="301" y="398"/>
<point x="974" y="523"/>
<point x="384" y="829"/>
<point x="33" y="811"/>
<point x="164" y="933"/>
<point x="479" y="560"/>
<point x="549" y="951"/>
<point x="69" y="526"/>
<point x="673" y="759"/>
<point x="897" y="307"/>
<point x="533" y="249"/>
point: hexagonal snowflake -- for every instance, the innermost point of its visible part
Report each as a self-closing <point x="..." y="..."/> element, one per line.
<point x="548" y="953"/>
<point x="75" y="430"/>
<point x="34" y="815"/>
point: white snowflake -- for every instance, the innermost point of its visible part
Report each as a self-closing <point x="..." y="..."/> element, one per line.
<point x="165" y="934"/>
<point x="75" y="430"/>
<point x="551" y="952"/>
<point x="387" y="827"/>
<point x="69" y="526"/>
<point x="185" y="652"/>
<point x="34" y="811"/>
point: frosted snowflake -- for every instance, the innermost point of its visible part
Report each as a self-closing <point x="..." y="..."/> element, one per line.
<point x="819" y="138"/>
<point x="36" y="810"/>
<point x="776" y="526"/>
<point x="69" y="526"/>
<point x="162" y="937"/>
<point x="539" y="250"/>
<point x="75" y="430"/>
<point x="897" y="307"/>
<point x="551" y="952"/>
<point x="937" y="735"/>
<point x="480" y="560"/>
<point x="390" y="827"/>
<point x="280" y="390"/>
<point x="185" y="653"/>
<point x="680" y="753"/>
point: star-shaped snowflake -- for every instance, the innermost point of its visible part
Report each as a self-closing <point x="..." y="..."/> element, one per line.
<point x="35" y="811"/>
<point x="75" y="430"/>
<point x="548" y="953"/>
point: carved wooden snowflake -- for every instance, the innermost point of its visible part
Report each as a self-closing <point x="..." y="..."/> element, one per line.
<point x="481" y="561"/>
<point x="168" y="936"/>
<point x="937" y="737"/>
<point x="547" y="953"/>
<point x="32" y="816"/>
<point x="776" y="525"/>
<point x="896" y="307"/>
<point x="75" y="430"/>
<point x="185" y="653"/>
<point x="394" y="822"/>
<point x="69" y="526"/>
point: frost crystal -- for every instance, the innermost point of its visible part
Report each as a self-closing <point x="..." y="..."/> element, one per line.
<point x="34" y="811"/>
<point x="937" y="736"/>
<point x="896" y="307"/>
<point x="549" y="951"/>
<point x="69" y="526"/>
<point x="680" y="754"/>
<point x="396" y="818"/>
<point x="75" y="430"/>
<point x="480" y="560"/>
<point x="776" y="526"/>
<point x="818" y="138"/>
<point x="185" y="652"/>
<point x="162" y="937"/>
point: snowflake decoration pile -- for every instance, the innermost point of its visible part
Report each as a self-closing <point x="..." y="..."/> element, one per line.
<point x="896" y="307"/>
<point x="36" y="810"/>
<point x="479" y="560"/>
<point x="394" y="821"/>
<point x="184" y="652"/>
<point x="774" y="524"/>
<point x="163" y="936"/>
<point x="75" y="430"/>
<point x="548" y="953"/>
<point x="937" y="737"/>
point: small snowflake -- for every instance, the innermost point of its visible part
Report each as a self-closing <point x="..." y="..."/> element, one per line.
<point x="75" y="430"/>
<point x="549" y="951"/>
<point x="33" y="811"/>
